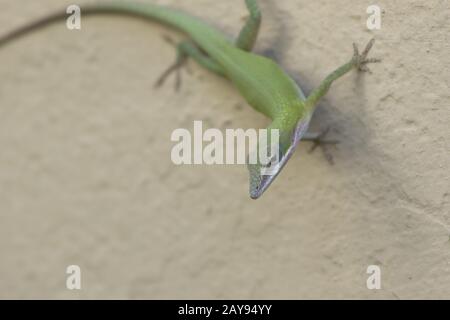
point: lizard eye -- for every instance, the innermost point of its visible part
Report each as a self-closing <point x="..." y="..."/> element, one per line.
<point x="268" y="165"/>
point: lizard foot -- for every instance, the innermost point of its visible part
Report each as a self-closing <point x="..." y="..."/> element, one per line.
<point x="175" y="67"/>
<point x="361" y="60"/>
<point x="319" y="140"/>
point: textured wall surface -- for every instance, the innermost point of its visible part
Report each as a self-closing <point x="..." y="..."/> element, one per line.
<point x="86" y="176"/>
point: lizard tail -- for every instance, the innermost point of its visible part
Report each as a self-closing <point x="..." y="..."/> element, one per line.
<point x="170" y="17"/>
<point x="21" y="31"/>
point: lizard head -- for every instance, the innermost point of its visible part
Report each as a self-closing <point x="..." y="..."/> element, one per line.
<point x="263" y="174"/>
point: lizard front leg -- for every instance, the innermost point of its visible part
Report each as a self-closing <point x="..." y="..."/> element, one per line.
<point x="249" y="33"/>
<point x="359" y="61"/>
<point x="320" y="140"/>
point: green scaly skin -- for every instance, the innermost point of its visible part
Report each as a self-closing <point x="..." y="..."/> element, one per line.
<point x="265" y="86"/>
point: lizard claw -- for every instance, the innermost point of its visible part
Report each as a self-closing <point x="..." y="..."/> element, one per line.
<point x="361" y="60"/>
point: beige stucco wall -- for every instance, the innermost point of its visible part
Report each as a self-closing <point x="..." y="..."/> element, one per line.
<point x="86" y="176"/>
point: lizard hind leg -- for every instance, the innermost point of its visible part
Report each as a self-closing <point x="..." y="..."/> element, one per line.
<point x="185" y="50"/>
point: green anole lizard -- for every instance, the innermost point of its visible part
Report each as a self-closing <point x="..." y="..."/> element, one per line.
<point x="264" y="85"/>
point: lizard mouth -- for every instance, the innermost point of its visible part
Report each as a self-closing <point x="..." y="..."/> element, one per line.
<point x="265" y="176"/>
<point x="261" y="177"/>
